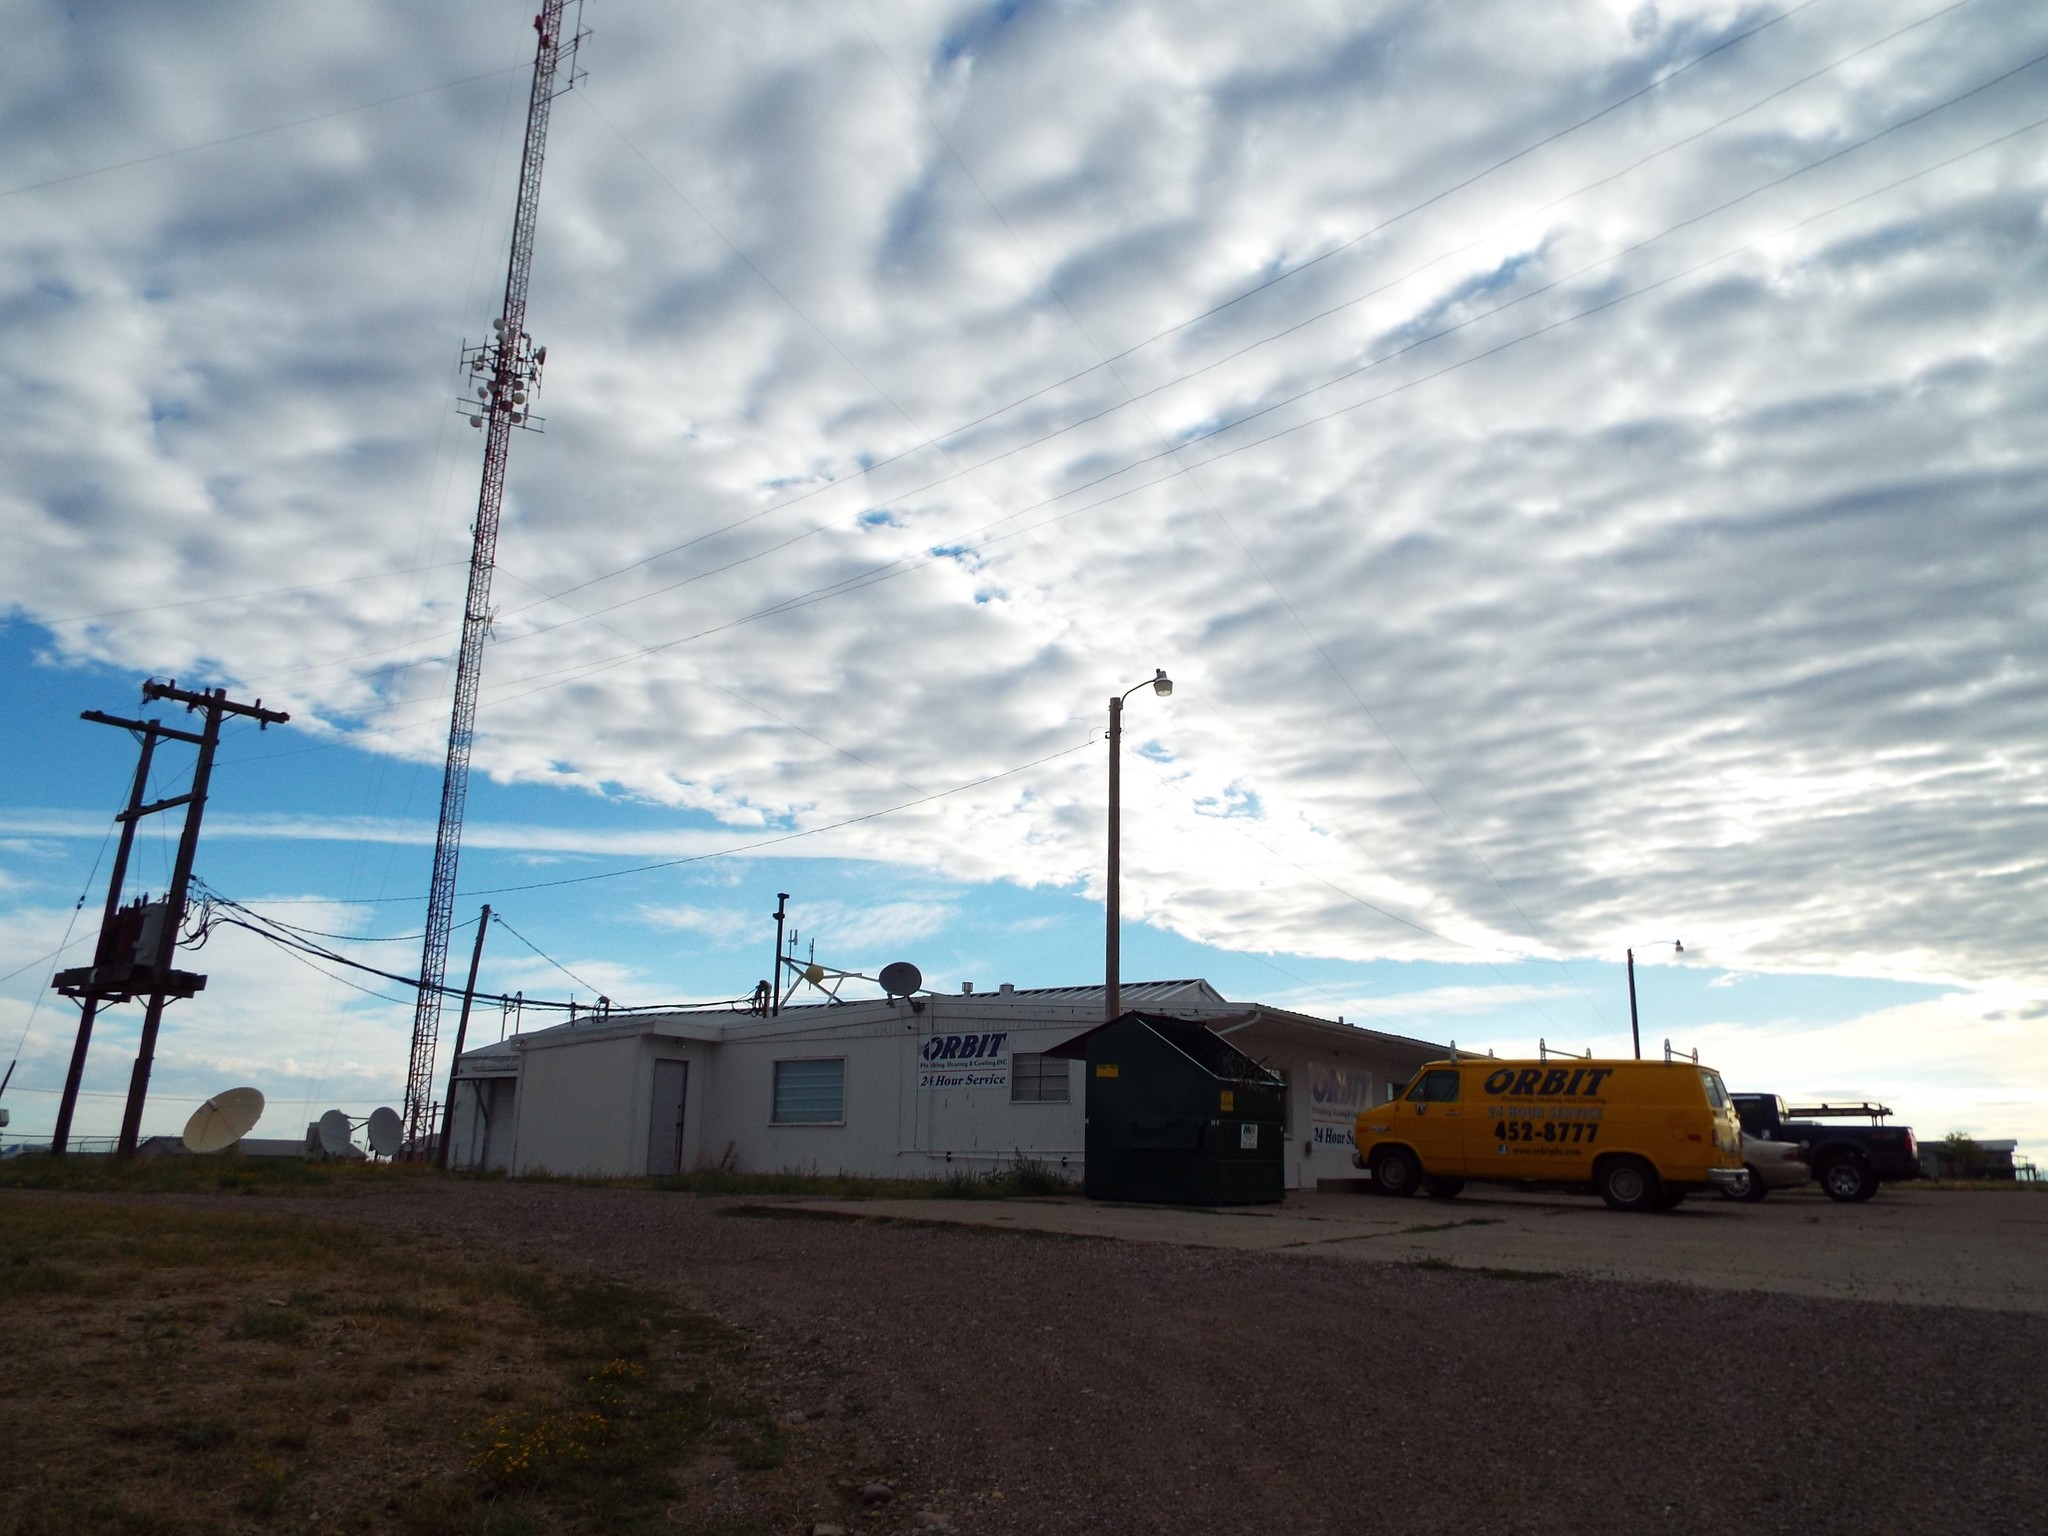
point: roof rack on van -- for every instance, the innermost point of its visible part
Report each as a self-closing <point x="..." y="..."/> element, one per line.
<point x="1670" y="1055"/>
<point x="1545" y="1050"/>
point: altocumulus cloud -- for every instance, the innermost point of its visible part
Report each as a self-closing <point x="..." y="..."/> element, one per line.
<point x="1642" y="529"/>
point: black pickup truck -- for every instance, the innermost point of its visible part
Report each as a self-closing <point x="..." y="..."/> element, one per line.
<point x="1849" y="1160"/>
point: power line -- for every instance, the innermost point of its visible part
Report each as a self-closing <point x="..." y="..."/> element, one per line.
<point x="1133" y="398"/>
<point x="235" y="597"/>
<point x="253" y="922"/>
<point x="499" y="919"/>
<point x="971" y="540"/>
<point x="68" y="944"/>
<point x="935" y="441"/>
<point x="967" y="471"/>
<point x="253" y="133"/>
<point x="1191" y="320"/>
<point x="722" y="853"/>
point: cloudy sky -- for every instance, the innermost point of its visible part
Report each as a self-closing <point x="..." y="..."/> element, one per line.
<point x="1581" y="465"/>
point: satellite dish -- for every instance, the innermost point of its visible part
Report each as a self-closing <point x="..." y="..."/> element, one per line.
<point x="334" y="1134"/>
<point x="223" y="1120"/>
<point x="900" y="978"/>
<point x="386" y="1134"/>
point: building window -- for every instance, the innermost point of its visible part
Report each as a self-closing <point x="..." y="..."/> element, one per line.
<point x="1039" y="1079"/>
<point x="810" y="1092"/>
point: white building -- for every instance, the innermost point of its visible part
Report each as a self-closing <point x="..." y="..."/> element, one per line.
<point x="890" y="1088"/>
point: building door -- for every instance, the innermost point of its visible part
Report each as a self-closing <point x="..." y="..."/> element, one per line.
<point x="665" y="1130"/>
<point x="497" y="1098"/>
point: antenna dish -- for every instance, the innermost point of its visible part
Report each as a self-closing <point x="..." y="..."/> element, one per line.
<point x="386" y="1134"/>
<point x="900" y="978"/>
<point x="223" y="1120"/>
<point x="334" y="1134"/>
<point x="814" y="973"/>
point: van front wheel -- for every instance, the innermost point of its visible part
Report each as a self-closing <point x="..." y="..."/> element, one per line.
<point x="1629" y="1184"/>
<point x="1444" y="1189"/>
<point x="1396" y="1171"/>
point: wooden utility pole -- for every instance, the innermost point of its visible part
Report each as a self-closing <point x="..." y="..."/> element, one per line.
<point x="141" y="966"/>
<point x="476" y="956"/>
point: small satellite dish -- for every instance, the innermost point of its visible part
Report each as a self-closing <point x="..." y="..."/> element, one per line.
<point x="900" y="978"/>
<point x="814" y="973"/>
<point x="223" y="1120"/>
<point x="386" y="1134"/>
<point x="334" y="1134"/>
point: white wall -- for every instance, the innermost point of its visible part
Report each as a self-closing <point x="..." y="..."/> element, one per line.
<point x="584" y="1093"/>
<point x="893" y="1128"/>
<point x="484" y="1123"/>
<point x="583" y="1107"/>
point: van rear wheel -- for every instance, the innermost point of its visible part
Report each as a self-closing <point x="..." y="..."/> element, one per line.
<point x="1444" y="1189"/>
<point x="1628" y="1184"/>
<point x="1396" y="1171"/>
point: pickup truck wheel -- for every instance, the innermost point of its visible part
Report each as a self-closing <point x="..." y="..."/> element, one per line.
<point x="1848" y="1178"/>
<point x="1628" y="1184"/>
<point x="1396" y="1171"/>
<point x="1444" y="1189"/>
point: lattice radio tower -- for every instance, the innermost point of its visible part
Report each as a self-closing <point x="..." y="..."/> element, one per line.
<point x="505" y="372"/>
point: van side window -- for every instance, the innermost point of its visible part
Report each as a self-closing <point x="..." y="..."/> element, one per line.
<point x="1438" y="1087"/>
<point x="1717" y="1092"/>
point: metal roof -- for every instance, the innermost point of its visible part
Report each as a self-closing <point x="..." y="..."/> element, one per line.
<point x="1190" y="998"/>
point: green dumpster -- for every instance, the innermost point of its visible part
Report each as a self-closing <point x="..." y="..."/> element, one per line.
<point x="1177" y="1115"/>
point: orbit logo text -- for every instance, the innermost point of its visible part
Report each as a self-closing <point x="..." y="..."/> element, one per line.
<point x="1546" y="1082"/>
<point x="965" y="1061"/>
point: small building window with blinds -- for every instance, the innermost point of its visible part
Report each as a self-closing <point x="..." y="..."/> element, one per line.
<point x="810" y="1092"/>
<point x="1039" y="1079"/>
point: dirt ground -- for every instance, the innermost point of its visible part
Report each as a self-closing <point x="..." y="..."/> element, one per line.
<point x="175" y="1368"/>
<point x="1031" y="1383"/>
<point x="1018" y="1381"/>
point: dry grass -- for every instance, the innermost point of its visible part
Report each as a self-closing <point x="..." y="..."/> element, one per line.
<point x="173" y="1370"/>
<point x="231" y="1174"/>
<point x="226" y="1173"/>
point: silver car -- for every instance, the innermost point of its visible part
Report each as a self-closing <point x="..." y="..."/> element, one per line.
<point x="1768" y="1165"/>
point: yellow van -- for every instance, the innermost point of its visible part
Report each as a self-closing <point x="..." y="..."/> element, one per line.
<point x="1643" y="1134"/>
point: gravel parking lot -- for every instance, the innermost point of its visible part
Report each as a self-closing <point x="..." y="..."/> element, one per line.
<point x="1939" y="1247"/>
<point x="1024" y="1381"/>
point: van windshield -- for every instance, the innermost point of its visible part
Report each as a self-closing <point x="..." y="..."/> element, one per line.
<point x="1437" y="1087"/>
<point x="1717" y="1095"/>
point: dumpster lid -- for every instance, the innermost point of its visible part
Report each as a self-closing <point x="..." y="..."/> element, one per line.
<point x="1199" y="1043"/>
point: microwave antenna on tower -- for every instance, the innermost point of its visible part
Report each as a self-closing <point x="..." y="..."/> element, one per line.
<point x="504" y="378"/>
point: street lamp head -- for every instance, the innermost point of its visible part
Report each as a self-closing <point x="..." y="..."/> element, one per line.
<point x="1161" y="683"/>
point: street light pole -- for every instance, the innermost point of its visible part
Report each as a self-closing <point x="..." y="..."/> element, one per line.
<point x="1112" y="959"/>
<point x="1635" y="1029"/>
